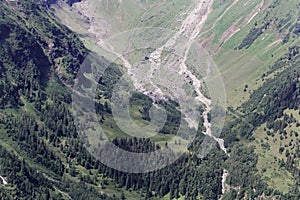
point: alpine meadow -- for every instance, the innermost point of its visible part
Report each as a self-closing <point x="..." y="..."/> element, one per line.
<point x="148" y="99"/>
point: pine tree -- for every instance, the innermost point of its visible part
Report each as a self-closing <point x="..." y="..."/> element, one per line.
<point x="122" y="197"/>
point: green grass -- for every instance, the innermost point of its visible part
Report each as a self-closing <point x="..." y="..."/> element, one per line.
<point x="237" y="12"/>
<point x="112" y="130"/>
<point x="236" y="39"/>
<point x="217" y="9"/>
<point x="125" y="16"/>
<point x="71" y="19"/>
<point x="274" y="175"/>
<point x="166" y="15"/>
<point x="246" y="66"/>
<point x="237" y="69"/>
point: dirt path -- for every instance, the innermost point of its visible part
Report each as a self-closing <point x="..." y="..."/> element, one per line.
<point x="220" y="17"/>
<point x="234" y="29"/>
<point x="274" y="43"/>
<point x="49" y="178"/>
<point x="63" y="193"/>
<point x="56" y="181"/>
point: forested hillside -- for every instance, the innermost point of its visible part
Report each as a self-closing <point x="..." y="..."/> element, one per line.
<point x="37" y="56"/>
<point x="42" y="156"/>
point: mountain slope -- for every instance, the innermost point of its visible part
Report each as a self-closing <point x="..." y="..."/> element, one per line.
<point x="254" y="43"/>
<point x="35" y="51"/>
